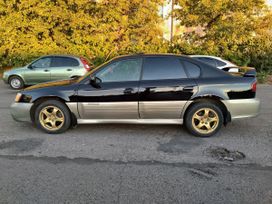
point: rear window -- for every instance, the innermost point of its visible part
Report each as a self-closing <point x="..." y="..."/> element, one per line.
<point x="64" y="62"/>
<point x="209" y="61"/>
<point x="192" y="69"/>
<point x="158" y="68"/>
<point x="220" y="63"/>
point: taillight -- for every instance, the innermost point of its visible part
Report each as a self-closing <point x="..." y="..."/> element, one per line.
<point x="254" y="86"/>
<point x="85" y="64"/>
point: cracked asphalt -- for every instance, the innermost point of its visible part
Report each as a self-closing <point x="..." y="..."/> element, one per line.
<point x="135" y="163"/>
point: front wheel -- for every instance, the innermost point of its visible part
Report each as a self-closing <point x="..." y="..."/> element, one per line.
<point x="204" y="119"/>
<point x="52" y="117"/>
<point x="16" y="82"/>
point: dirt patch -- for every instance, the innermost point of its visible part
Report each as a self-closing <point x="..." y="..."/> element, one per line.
<point x="224" y="154"/>
<point x="19" y="146"/>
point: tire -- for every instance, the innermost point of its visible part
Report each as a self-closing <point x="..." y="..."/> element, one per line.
<point x="204" y="119"/>
<point x="16" y="82"/>
<point x="52" y="117"/>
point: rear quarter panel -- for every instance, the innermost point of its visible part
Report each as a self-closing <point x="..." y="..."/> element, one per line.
<point x="79" y="71"/>
<point x="225" y="88"/>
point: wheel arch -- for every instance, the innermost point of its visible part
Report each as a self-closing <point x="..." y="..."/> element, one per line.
<point x="16" y="75"/>
<point x="212" y="99"/>
<point x="40" y="100"/>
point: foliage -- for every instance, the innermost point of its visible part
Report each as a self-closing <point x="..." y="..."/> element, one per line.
<point x="237" y="30"/>
<point x="263" y="76"/>
<point x="30" y="28"/>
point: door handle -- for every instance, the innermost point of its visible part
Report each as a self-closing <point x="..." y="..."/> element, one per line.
<point x="69" y="70"/>
<point x="46" y="70"/>
<point x="188" y="88"/>
<point x="128" y="91"/>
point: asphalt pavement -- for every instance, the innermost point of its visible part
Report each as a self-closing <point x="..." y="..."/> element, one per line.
<point x="136" y="163"/>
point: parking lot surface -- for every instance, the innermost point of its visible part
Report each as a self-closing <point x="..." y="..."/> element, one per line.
<point x="136" y="163"/>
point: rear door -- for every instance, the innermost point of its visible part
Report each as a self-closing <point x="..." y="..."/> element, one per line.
<point x="117" y="95"/>
<point x="165" y="88"/>
<point x="63" y="67"/>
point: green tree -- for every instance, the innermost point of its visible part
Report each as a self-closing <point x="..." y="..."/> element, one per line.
<point x="229" y="27"/>
<point x="98" y="30"/>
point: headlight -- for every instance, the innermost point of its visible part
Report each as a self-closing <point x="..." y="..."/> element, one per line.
<point x="18" y="97"/>
<point x="22" y="98"/>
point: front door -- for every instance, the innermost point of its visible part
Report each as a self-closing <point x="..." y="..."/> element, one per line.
<point x="38" y="71"/>
<point x="116" y="97"/>
<point x="164" y="88"/>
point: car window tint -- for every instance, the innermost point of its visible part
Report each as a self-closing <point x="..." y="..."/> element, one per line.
<point x="64" y="62"/>
<point x="157" y="68"/>
<point x="125" y="70"/>
<point x="220" y="63"/>
<point x="42" y="63"/>
<point x="192" y="69"/>
<point x="209" y="61"/>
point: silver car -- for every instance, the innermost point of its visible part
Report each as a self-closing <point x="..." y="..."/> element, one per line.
<point x="46" y="68"/>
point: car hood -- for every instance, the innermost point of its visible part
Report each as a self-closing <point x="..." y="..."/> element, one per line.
<point x="16" y="70"/>
<point x="52" y="84"/>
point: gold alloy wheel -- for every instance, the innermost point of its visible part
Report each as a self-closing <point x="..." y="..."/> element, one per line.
<point x="205" y="120"/>
<point x="51" y="118"/>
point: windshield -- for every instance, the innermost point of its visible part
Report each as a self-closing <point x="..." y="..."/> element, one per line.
<point x="90" y="72"/>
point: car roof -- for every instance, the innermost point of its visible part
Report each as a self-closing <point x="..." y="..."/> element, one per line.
<point x="61" y="55"/>
<point x="210" y="56"/>
<point x="150" y="55"/>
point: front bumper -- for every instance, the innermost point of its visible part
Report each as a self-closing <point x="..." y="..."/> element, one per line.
<point x="243" y="108"/>
<point x="21" y="111"/>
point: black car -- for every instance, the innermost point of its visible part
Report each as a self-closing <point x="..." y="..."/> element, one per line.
<point x="149" y="89"/>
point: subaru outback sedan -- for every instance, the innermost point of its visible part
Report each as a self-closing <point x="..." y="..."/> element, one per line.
<point x="142" y="89"/>
<point x="47" y="68"/>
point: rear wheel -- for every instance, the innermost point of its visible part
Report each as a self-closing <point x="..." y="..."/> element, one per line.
<point x="204" y="119"/>
<point x="52" y="117"/>
<point x="16" y="82"/>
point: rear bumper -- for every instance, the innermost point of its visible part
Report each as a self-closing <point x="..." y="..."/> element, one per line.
<point x="243" y="108"/>
<point x="21" y="111"/>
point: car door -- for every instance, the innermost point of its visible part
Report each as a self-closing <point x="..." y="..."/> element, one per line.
<point x="164" y="88"/>
<point x="116" y="97"/>
<point x="63" y="67"/>
<point x="38" y="71"/>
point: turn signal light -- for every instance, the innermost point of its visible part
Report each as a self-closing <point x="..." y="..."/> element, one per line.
<point x="18" y="97"/>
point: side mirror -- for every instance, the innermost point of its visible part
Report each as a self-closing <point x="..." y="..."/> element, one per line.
<point x="95" y="82"/>
<point x="30" y="66"/>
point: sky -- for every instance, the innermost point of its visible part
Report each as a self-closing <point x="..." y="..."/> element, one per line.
<point x="269" y="2"/>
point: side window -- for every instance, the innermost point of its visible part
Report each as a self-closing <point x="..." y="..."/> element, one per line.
<point x="64" y="62"/>
<point x="158" y="68"/>
<point x="125" y="70"/>
<point x="42" y="63"/>
<point x="220" y="63"/>
<point x="209" y="61"/>
<point x="192" y="69"/>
